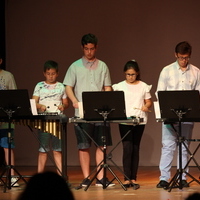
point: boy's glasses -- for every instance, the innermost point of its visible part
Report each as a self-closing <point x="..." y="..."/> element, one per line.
<point x="183" y="58"/>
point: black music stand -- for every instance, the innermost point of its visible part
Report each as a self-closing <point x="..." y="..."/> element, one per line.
<point x="104" y="106"/>
<point x="13" y="104"/>
<point x="179" y="106"/>
<point x="111" y="103"/>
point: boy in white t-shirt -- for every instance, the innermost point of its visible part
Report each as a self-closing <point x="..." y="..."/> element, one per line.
<point x="50" y="96"/>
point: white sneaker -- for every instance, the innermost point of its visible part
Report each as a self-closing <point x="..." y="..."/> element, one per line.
<point x="14" y="183"/>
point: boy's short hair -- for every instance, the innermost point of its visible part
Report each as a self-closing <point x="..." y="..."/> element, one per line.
<point x="50" y="64"/>
<point x="89" y="38"/>
<point x="183" y="48"/>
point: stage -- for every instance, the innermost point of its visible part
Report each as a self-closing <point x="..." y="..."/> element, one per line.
<point x="147" y="178"/>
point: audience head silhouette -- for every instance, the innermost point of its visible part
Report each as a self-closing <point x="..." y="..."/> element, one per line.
<point x="46" y="185"/>
<point x="194" y="196"/>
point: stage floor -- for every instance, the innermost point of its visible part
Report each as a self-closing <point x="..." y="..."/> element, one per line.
<point x="147" y="178"/>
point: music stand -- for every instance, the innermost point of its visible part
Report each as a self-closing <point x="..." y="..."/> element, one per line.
<point x="102" y="106"/>
<point x="13" y="104"/>
<point x="179" y="106"/>
<point x="111" y="103"/>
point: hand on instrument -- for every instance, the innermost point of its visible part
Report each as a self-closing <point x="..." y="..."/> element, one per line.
<point x="61" y="107"/>
<point x="145" y="109"/>
<point x="43" y="108"/>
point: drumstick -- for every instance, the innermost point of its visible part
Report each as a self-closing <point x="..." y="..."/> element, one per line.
<point x="141" y="109"/>
<point x="56" y="105"/>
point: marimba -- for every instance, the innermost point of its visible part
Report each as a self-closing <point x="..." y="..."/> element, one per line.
<point x="53" y="124"/>
<point x="47" y="123"/>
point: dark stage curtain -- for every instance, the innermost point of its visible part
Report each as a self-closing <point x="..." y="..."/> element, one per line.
<point x="2" y="32"/>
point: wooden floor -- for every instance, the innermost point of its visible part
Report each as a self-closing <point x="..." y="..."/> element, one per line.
<point x="147" y="178"/>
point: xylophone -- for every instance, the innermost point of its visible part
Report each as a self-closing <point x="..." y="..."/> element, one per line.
<point x="53" y="124"/>
<point x="48" y="123"/>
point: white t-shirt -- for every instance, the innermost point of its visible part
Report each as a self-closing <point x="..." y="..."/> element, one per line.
<point x="50" y="95"/>
<point x="134" y="98"/>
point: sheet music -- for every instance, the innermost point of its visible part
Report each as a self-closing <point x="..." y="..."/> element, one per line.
<point x="51" y="107"/>
<point x="157" y="109"/>
<point x="80" y="108"/>
<point x="33" y="107"/>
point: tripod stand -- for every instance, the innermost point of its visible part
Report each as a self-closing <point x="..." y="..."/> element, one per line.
<point x="9" y="167"/>
<point x="184" y="170"/>
<point x="179" y="103"/>
<point x="103" y="164"/>
<point x="176" y="181"/>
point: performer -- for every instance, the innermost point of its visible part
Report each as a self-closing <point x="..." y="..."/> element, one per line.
<point x="180" y="75"/>
<point x="7" y="82"/>
<point x="137" y="101"/>
<point x="50" y="96"/>
<point x="88" y="74"/>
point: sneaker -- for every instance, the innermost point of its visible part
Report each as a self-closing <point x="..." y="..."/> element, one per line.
<point x="162" y="184"/>
<point x="185" y="183"/>
<point x="127" y="184"/>
<point x="135" y="186"/>
<point x="14" y="182"/>
<point x="85" y="182"/>
<point x="108" y="183"/>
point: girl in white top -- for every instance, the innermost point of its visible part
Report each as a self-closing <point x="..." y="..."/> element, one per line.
<point x="137" y="101"/>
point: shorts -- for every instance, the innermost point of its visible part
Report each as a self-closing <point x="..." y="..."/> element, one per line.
<point x="4" y="138"/>
<point x="48" y="141"/>
<point x="95" y="131"/>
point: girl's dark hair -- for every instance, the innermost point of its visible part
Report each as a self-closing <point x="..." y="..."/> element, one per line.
<point x="133" y="65"/>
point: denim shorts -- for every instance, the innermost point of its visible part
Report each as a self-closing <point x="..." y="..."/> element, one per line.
<point x="48" y="141"/>
<point x="4" y="138"/>
<point x="100" y="134"/>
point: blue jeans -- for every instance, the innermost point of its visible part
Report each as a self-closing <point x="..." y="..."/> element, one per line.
<point x="4" y="138"/>
<point x="169" y="145"/>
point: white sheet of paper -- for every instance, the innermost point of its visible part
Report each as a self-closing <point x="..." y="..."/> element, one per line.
<point x="33" y="107"/>
<point x="80" y="108"/>
<point x="157" y="109"/>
